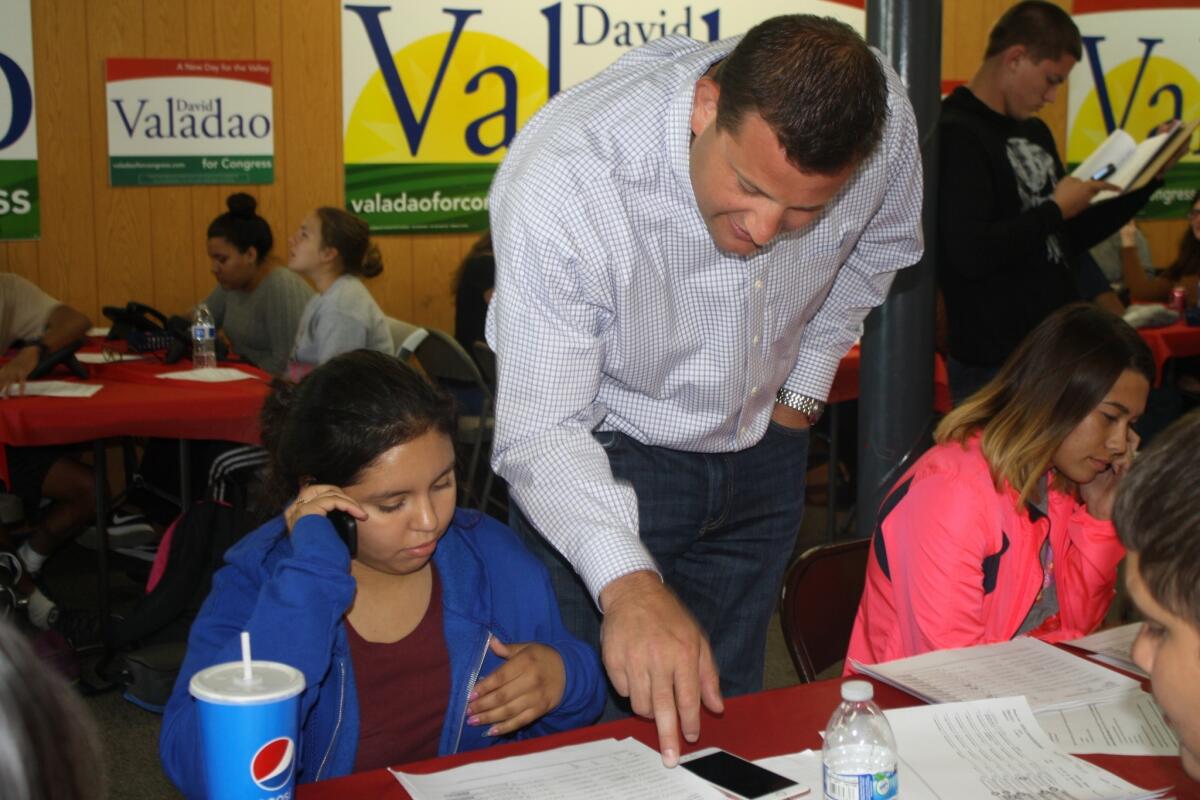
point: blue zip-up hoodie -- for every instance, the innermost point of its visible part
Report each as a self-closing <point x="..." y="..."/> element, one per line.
<point x="292" y="592"/>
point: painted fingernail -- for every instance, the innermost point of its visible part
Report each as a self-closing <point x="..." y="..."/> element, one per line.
<point x="472" y="696"/>
<point x="473" y="719"/>
<point x="492" y="731"/>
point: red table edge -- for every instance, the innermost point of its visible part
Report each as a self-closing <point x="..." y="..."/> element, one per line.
<point x="1154" y="772"/>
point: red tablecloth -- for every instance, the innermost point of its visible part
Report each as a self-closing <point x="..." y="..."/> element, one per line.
<point x="753" y="726"/>
<point x="135" y="402"/>
<point x="845" y="383"/>
<point x="1172" y="341"/>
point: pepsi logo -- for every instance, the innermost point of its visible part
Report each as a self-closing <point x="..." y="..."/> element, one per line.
<point x="271" y="767"/>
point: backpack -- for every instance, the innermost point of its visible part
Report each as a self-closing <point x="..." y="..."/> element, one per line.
<point x="152" y="639"/>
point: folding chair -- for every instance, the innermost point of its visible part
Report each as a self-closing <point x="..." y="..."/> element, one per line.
<point x="444" y="360"/>
<point x="818" y="603"/>
<point x="406" y="337"/>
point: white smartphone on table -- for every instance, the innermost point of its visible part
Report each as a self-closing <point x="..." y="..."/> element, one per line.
<point x="739" y="778"/>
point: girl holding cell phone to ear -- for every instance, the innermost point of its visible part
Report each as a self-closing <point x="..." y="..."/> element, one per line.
<point x="1003" y="528"/>
<point x="440" y="634"/>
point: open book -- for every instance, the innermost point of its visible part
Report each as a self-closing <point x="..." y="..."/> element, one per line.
<point x="1131" y="165"/>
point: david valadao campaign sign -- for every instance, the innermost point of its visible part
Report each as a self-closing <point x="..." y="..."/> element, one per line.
<point x="19" y="203"/>
<point x="188" y="121"/>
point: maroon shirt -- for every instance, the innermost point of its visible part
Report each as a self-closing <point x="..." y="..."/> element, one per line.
<point x="403" y="691"/>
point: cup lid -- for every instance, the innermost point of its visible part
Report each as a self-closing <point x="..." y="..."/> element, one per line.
<point x="223" y="683"/>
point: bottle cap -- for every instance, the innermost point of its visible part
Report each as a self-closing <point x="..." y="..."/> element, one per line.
<point x="857" y="691"/>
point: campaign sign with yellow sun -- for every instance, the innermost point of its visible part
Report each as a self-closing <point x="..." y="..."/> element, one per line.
<point x="433" y="95"/>
<point x="1140" y="68"/>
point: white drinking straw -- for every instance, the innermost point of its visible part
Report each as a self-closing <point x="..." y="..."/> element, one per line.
<point x="247" y="673"/>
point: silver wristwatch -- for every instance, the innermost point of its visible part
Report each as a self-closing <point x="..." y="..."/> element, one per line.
<point x="808" y="406"/>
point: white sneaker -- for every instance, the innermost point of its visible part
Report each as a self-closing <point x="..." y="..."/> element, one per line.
<point x="125" y="529"/>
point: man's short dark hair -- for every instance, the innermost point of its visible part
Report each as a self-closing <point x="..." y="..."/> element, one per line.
<point x="815" y="82"/>
<point x="1044" y="29"/>
<point x="1157" y="516"/>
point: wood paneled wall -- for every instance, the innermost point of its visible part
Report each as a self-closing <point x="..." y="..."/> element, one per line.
<point x="101" y="245"/>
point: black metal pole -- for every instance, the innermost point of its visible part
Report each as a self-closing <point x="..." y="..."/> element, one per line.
<point x="895" y="407"/>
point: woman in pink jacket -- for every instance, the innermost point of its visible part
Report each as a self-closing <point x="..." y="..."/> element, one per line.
<point x="1002" y="529"/>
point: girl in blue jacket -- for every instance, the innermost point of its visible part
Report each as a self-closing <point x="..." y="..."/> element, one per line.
<point x="440" y="634"/>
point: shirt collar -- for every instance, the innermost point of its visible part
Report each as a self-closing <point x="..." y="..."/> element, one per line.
<point x="679" y="113"/>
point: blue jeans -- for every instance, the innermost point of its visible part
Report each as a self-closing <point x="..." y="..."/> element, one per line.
<point x="721" y="527"/>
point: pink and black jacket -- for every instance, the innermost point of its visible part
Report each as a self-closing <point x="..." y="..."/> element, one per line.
<point x="954" y="562"/>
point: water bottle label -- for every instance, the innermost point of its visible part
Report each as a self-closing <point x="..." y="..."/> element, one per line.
<point x="846" y="786"/>
<point x="202" y="332"/>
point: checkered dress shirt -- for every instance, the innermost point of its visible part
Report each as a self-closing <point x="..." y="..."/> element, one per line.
<point x="614" y="310"/>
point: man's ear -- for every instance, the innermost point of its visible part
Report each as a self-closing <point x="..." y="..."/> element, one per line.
<point x="1013" y="55"/>
<point x="704" y="104"/>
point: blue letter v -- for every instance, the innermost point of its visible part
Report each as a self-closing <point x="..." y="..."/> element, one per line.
<point x="414" y="129"/>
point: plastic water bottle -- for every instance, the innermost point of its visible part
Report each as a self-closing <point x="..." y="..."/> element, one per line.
<point x="204" y="338"/>
<point x="858" y="758"/>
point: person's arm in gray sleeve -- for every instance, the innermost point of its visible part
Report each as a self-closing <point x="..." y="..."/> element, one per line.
<point x="290" y="294"/>
<point x="216" y="306"/>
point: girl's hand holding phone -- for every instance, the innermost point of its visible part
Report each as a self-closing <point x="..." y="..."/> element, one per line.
<point x="1100" y="494"/>
<point x="320" y="499"/>
<point x="529" y="686"/>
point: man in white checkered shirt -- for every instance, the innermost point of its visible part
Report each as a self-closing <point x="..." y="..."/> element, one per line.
<point x="686" y="246"/>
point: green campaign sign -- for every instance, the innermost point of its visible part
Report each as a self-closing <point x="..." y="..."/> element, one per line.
<point x="432" y="94"/>
<point x="1140" y="68"/>
<point x="189" y="121"/>
<point x="20" y="216"/>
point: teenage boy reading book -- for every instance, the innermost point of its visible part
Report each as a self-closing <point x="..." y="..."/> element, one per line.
<point x="1158" y="521"/>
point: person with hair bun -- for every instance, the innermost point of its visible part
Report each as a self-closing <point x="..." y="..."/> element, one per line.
<point x="257" y="305"/>
<point x="1003" y="528"/>
<point x="333" y="249"/>
<point x="437" y="633"/>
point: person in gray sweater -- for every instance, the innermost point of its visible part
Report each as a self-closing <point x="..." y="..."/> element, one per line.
<point x="255" y="303"/>
<point x="333" y="250"/>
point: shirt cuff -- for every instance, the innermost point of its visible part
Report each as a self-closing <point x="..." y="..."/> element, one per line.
<point x="813" y="375"/>
<point x="600" y="563"/>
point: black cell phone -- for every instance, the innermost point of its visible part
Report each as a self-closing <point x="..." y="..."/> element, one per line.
<point x="740" y="777"/>
<point x="347" y="529"/>
<point x="1104" y="172"/>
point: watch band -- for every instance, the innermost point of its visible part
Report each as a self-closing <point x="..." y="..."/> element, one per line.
<point x="808" y="406"/>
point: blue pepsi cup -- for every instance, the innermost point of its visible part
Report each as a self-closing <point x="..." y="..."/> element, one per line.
<point x="249" y="729"/>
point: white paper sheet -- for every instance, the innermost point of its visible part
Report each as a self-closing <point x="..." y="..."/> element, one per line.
<point x="1114" y="150"/>
<point x="1113" y="646"/>
<point x="208" y="375"/>
<point x="1130" y="726"/>
<point x="105" y="358"/>
<point x="1048" y="676"/>
<point x="992" y="748"/>
<point x="98" y="331"/>
<point x="980" y="749"/>
<point x="53" y="389"/>
<point x="1128" y="169"/>
<point x="604" y="770"/>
